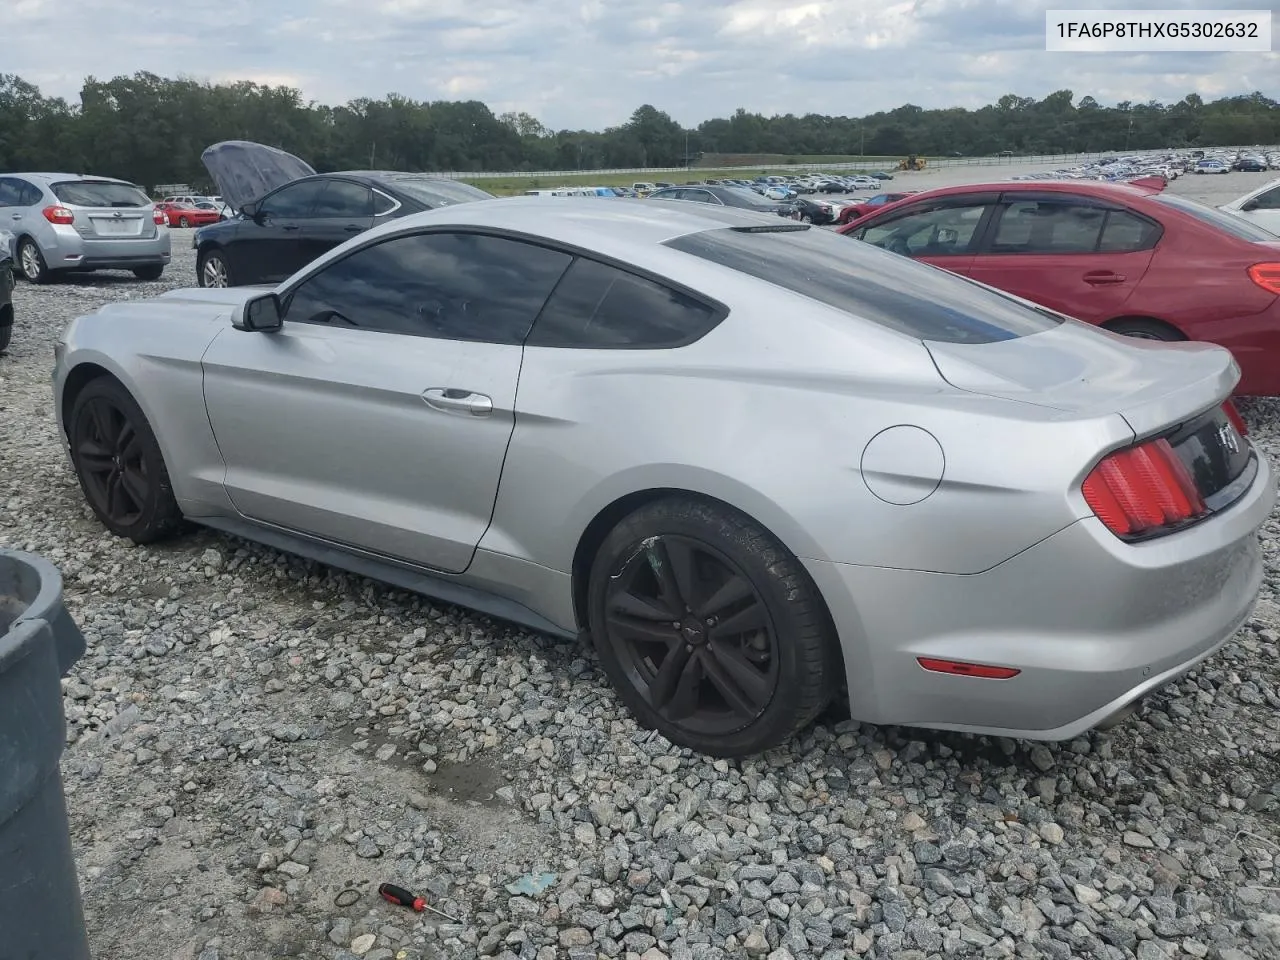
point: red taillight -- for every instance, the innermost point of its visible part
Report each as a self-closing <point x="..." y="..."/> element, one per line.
<point x="959" y="668"/>
<point x="1237" y="421"/>
<point x="159" y="217"/>
<point x="1141" y="489"/>
<point x="58" y="215"/>
<point x="1267" y="276"/>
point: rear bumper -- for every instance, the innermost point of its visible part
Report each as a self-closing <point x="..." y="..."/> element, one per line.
<point x="70" y="251"/>
<point x="1091" y="622"/>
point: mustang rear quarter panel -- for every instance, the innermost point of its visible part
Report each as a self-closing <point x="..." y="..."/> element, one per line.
<point x="154" y="348"/>
<point x="776" y="425"/>
<point x="1092" y="621"/>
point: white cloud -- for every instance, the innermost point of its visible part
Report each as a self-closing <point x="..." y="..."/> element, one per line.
<point x="590" y="63"/>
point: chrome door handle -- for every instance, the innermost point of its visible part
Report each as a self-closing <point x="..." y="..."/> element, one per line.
<point x="452" y="400"/>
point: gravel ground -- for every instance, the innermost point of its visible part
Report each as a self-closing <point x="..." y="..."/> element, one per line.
<point x="255" y="742"/>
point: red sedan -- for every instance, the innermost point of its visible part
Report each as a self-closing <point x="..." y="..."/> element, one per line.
<point x="1127" y="257"/>
<point x="184" y="215"/>
<point x="860" y="209"/>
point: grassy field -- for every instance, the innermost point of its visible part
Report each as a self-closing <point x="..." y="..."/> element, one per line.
<point x="508" y="186"/>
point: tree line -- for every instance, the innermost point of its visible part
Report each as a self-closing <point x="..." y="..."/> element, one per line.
<point x="152" y="129"/>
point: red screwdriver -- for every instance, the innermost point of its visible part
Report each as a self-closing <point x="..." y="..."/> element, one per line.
<point x="403" y="898"/>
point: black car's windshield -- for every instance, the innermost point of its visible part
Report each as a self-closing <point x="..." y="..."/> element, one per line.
<point x="98" y="193"/>
<point x="438" y="193"/>
<point x="1238" y="227"/>
<point x="884" y="288"/>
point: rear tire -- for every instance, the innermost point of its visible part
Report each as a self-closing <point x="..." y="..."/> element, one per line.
<point x="754" y="658"/>
<point x="153" y="272"/>
<point x="118" y="462"/>
<point x="1144" y="329"/>
<point x="31" y="262"/>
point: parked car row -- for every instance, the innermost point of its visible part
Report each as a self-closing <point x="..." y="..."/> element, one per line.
<point x="1169" y="166"/>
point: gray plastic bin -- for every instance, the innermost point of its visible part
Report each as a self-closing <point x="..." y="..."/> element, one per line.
<point x="41" y="917"/>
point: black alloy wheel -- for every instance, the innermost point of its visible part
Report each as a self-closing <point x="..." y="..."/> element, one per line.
<point x="109" y="455"/>
<point x="694" y="633"/>
<point x="710" y="630"/>
<point x="119" y="464"/>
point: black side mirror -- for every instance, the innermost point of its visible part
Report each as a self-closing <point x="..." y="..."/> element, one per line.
<point x="1251" y="205"/>
<point x="250" y="210"/>
<point x="259" y="315"/>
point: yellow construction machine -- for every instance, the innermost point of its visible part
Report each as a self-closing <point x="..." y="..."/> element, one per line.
<point x="911" y="163"/>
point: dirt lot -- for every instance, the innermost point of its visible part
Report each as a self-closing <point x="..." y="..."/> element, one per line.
<point x="256" y="742"/>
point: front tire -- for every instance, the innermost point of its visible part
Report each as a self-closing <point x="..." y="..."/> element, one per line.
<point x="118" y="462"/>
<point x="31" y="262"/>
<point x="710" y="630"/>
<point x="153" y="272"/>
<point x="184" y="222"/>
<point x="213" y="270"/>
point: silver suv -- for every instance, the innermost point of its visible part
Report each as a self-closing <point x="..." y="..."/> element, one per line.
<point x="67" y="222"/>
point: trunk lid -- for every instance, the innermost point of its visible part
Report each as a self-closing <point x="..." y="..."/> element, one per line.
<point x="1170" y="390"/>
<point x="106" y="209"/>
<point x="246" y="171"/>
<point x="1085" y="371"/>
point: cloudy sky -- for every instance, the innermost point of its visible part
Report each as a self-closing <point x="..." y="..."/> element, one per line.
<point x="589" y="63"/>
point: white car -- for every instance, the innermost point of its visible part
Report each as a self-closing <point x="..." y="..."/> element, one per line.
<point x="1262" y="206"/>
<point x="864" y="183"/>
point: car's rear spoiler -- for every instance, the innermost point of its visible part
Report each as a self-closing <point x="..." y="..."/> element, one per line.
<point x="1155" y="183"/>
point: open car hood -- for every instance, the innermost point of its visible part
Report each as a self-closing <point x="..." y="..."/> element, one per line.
<point x="245" y="171"/>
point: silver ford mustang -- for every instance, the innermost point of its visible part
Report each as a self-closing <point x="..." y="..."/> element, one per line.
<point x="758" y="464"/>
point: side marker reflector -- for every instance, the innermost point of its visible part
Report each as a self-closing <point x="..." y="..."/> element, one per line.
<point x="959" y="668"/>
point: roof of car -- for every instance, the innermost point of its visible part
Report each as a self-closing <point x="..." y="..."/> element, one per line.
<point x="53" y="177"/>
<point x="613" y="225"/>
<point x="1094" y="188"/>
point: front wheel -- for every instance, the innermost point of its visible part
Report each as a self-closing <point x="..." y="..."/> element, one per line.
<point x="119" y="465"/>
<point x="184" y="222"/>
<point x="213" y="270"/>
<point x="711" y="631"/>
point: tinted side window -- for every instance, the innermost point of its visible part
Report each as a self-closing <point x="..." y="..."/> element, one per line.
<point x="939" y="232"/>
<point x="1048" y="226"/>
<point x="31" y="194"/>
<point x="343" y="198"/>
<point x="382" y="203"/>
<point x="600" y="306"/>
<point x="294" y="200"/>
<point x="1124" y="232"/>
<point x="455" y="286"/>
<point x="10" y="192"/>
<point x="1266" y="201"/>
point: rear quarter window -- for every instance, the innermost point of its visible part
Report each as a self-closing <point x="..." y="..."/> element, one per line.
<point x="99" y="193"/>
<point x="893" y="291"/>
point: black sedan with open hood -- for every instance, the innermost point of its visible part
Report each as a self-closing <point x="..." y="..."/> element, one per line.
<point x="287" y="214"/>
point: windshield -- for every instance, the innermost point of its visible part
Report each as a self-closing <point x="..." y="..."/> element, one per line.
<point x="1238" y="227"/>
<point x="884" y="288"/>
<point x="99" y="193"/>
<point x="438" y="193"/>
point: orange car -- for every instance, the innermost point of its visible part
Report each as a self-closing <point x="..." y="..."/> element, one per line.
<point x="185" y="215"/>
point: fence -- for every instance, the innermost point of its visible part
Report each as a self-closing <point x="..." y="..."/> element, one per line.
<point x="643" y="173"/>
